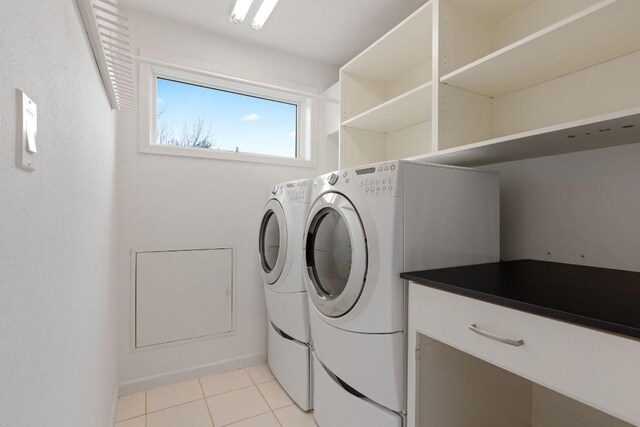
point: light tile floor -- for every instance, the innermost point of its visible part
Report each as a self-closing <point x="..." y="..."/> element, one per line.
<point x="248" y="397"/>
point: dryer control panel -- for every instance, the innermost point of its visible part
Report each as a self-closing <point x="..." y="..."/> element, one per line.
<point x="381" y="179"/>
<point x="298" y="191"/>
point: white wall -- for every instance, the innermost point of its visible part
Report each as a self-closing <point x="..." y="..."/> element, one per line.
<point x="571" y="205"/>
<point x="57" y="301"/>
<point x="168" y="202"/>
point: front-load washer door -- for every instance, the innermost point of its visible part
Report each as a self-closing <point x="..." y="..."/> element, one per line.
<point x="336" y="255"/>
<point x="272" y="246"/>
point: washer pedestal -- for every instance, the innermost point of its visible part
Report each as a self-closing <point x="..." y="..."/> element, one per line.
<point x="289" y="362"/>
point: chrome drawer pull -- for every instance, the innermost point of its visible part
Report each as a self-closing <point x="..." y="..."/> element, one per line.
<point x="515" y="343"/>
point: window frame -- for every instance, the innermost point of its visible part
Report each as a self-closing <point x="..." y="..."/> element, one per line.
<point x="305" y="120"/>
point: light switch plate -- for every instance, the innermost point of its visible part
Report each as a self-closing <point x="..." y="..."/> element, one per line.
<point x="27" y="133"/>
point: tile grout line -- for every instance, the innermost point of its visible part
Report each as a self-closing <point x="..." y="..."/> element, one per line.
<point x="250" y="377"/>
<point x="256" y="383"/>
<point x="204" y="397"/>
<point x="256" y="386"/>
<point x="244" y="419"/>
<point x="277" y="419"/>
<point x="135" y="416"/>
<point x="268" y="405"/>
<point x="253" y="384"/>
<point x="231" y="391"/>
<point x="261" y="395"/>
<point x="206" y="403"/>
<point x="174" y="406"/>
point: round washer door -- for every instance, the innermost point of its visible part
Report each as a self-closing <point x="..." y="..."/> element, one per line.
<point x="272" y="245"/>
<point x="336" y="255"/>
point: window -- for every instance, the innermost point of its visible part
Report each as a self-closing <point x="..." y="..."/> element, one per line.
<point x="199" y="116"/>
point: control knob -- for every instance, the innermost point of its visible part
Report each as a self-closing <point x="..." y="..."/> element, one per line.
<point x="274" y="190"/>
<point x="333" y="178"/>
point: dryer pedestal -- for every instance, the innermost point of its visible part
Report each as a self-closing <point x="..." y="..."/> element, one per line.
<point x="336" y="405"/>
<point x="289" y="361"/>
<point x="373" y="364"/>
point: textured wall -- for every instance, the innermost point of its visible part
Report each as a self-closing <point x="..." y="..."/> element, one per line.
<point x="57" y="302"/>
<point x="178" y="202"/>
<point x="580" y="208"/>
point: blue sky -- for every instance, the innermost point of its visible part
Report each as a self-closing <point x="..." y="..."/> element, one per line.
<point x="254" y="125"/>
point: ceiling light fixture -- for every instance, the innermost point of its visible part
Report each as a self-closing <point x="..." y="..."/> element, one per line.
<point x="240" y="11"/>
<point x="263" y="14"/>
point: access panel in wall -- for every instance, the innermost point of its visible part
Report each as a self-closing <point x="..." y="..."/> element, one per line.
<point x="182" y="295"/>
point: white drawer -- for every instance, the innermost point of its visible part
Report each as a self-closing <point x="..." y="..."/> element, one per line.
<point x="597" y="368"/>
<point x="290" y="362"/>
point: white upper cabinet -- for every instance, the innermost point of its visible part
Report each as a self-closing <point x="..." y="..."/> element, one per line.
<point x="469" y="83"/>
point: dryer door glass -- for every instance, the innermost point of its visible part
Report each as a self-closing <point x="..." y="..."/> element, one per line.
<point x="331" y="253"/>
<point x="336" y="255"/>
<point x="272" y="246"/>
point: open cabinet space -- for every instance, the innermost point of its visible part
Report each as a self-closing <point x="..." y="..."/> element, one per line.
<point x="523" y="79"/>
<point x="510" y="79"/>
<point x="467" y="117"/>
<point x="358" y="146"/>
<point x="456" y="389"/>
<point x="396" y="64"/>
<point x="590" y="36"/>
<point x="386" y="95"/>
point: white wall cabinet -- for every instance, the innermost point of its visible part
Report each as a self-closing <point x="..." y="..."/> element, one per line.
<point x="466" y="82"/>
<point x="182" y="295"/>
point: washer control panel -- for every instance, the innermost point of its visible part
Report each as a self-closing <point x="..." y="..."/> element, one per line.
<point x="381" y="179"/>
<point x="298" y="191"/>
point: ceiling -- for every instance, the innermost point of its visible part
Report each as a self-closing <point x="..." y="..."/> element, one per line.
<point x="328" y="31"/>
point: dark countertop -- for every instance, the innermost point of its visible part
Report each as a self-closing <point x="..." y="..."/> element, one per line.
<point x="600" y="298"/>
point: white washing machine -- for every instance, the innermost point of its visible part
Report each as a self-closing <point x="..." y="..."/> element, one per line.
<point x="281" y="257"/>
<point x="365" y="226"/>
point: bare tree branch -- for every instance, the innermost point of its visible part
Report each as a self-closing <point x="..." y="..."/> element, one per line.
<point x="192" y="135"/>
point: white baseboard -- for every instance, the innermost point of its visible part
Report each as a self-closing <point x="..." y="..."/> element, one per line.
<point x="141" y="384"/>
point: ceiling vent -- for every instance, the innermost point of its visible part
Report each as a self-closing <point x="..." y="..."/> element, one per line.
<point x="107" y="24"/>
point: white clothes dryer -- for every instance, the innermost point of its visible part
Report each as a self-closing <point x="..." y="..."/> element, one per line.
<point x="281" y="256"/>
<point x="365" y="226"/>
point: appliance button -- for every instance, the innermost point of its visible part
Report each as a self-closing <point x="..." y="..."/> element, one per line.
<point x="378" y="188"/>
<point x="366" y="189"/>
<point x="391" y="187"/>
<point x="380" y="169"/>
<point x="384" y="188"/>
<point x="333" y="178"/>
<point x="386" y="168"/>
<point x="393" y="167"/>
<point x="344" y="174"/>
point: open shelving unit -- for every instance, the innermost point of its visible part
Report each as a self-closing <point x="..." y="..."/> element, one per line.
<point x="607" y="30"/>
<point x="386" y="94"/>
<point x="495" y="81"/>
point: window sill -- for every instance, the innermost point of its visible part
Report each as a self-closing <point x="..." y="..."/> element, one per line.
<point x="204" y="153"/>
